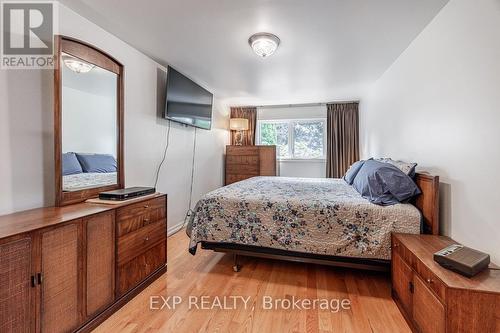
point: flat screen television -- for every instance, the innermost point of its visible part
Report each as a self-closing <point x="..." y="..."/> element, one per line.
<point x="187" y="102"/>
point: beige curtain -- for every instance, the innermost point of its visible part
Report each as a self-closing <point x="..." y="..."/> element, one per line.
<point x="342" y="138"/>
<point x="249" y="113"/>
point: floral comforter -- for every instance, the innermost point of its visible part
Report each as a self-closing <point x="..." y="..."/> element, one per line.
<point x="320" y="216"/>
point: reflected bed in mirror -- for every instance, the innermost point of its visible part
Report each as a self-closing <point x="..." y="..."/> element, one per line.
<point x="88" y="122"/>
<point x="95" y="171"/>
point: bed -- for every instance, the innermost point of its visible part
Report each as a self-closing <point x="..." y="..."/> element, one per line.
<point x="82" y="171"/>
<point x="86" y="180"/>
<point x="321" y="221"/>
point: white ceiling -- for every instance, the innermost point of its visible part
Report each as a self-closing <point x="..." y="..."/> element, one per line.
<point x="330" y="49"/>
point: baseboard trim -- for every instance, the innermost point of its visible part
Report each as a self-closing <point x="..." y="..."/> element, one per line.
<point x="173" y="229"/>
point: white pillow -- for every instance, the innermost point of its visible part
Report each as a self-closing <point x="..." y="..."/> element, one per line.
<point x="407" y="167"/>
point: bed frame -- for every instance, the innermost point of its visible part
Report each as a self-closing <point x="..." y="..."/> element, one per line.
<point x="427" y="203"/>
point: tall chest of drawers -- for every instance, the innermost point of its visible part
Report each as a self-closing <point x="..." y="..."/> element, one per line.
<point x="243" y="162"/>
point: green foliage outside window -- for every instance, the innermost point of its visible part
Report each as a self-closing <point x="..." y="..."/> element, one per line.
<point x="307" y="138"/>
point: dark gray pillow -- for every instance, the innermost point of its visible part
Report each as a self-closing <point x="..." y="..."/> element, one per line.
<point x="100" y="163"/>
<point x="70" y="164"/>
<point x="353" y="171"/>
<point x="384" y="184"/>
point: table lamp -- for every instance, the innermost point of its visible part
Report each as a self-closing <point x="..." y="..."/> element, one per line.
<point x="238" y="125"/>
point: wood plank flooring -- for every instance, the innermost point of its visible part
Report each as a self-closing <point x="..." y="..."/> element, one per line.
<point x="210" y="274"/>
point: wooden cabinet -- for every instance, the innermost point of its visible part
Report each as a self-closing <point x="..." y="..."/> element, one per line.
<point x="243" y="162"/>
<point x="428" y="312"/>
<point x="100" y="262"/>
<point x="436" y="300"/>
<point x="16" y="292"/>
<point x="65" y="269"/>
<point x="402" y="282"/>
<point x="60" y="282"/>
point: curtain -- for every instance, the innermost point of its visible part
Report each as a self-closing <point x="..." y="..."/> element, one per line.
<point x="249" y="113"/>
<point x="342" y="138"/>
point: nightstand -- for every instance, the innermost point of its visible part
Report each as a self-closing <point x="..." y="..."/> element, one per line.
<point x="436" y="300"/>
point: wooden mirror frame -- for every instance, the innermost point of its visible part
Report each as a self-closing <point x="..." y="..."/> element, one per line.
<point x="99" y="58"/>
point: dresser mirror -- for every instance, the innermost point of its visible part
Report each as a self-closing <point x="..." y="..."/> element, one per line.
<point x="88" y="122"/>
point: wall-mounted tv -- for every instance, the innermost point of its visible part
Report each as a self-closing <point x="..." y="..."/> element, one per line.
<point x="187" y="102"/>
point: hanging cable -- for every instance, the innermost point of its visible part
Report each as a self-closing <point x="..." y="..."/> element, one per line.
<point x="190" y="211"/>
<point x="164" y="154"/>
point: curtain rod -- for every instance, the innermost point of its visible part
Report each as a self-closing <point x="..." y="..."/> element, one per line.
<point x="296" y="105"/>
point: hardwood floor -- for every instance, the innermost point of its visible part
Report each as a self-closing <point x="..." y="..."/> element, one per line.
<point x="210" y="274"/>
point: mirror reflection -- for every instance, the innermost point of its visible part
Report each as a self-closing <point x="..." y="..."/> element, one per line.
<point x="89" y="125"/>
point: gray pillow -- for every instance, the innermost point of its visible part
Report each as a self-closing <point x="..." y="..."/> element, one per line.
<point x="353" y="171"/>
<point x="99" y="163"/>
<point x="407" y="167"/>
<point x="384" y="184"/>
<point x="70" y="164"/>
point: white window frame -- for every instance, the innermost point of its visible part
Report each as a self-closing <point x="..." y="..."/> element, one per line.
<point x="291" y="136"/>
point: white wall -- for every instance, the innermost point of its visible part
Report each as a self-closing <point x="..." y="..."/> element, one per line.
<point x="296" y="168"/>
<point x="26" y="131"/>
<point x="88" y="122"/>
<point x="89" y="111"/>
<point x="439" y="104"/>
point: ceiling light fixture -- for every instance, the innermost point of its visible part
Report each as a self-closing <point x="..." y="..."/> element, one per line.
<point x="264" y="44"/>
<point x="77" y="65"/>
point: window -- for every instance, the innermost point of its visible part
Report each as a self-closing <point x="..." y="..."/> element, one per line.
<point x="294" y="139"/>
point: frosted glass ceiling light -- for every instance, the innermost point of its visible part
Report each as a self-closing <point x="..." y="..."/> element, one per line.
<point x="77" y="65"/>
<point x="264" y="44"/>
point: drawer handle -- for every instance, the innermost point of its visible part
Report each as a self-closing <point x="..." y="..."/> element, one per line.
<point x="146" y="206"/>
<point x="429" y="281"/>
<point x="396" y="245"/>
<point x="146" y="220"/>
<point x="147" y="238"/>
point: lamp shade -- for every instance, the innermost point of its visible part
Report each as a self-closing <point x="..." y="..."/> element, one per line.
<point x="238" y="124"/>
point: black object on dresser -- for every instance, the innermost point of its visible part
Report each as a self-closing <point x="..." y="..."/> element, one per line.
<point x="126" y="193"/>
<point x="462" y="260"/>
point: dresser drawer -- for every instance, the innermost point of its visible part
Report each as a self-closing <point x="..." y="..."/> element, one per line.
<point x="242" y="150"/>
<point x="134" y="271"/>
<point x="242" y="169"/>
<point x="395" y="245"/>
<point x="431" y="281"/>
<point x="242" y="159"/>
<point x="138" y="215"/>
<point x="137" y="242"/>
<point x="405" y="254"/>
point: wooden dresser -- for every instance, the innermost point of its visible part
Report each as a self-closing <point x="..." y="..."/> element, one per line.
<point x="436" y="300"/>
<point x="244" y="162"/>
<point x="65" y="269"/>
